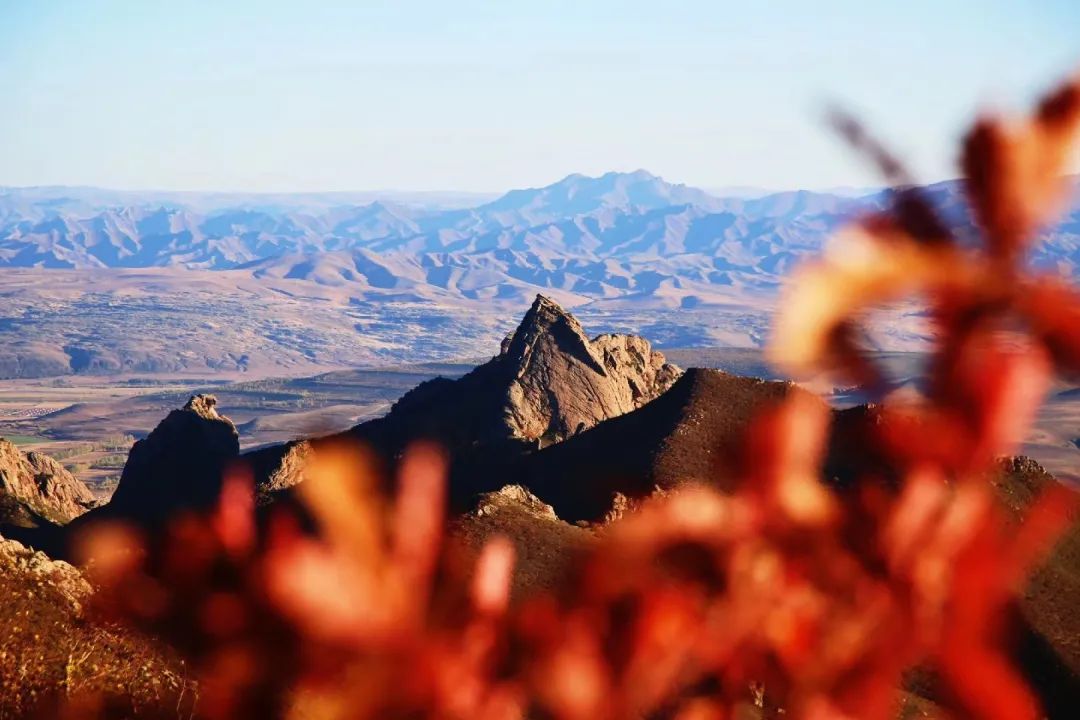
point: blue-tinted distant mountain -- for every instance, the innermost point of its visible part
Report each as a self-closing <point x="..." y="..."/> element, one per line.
<point x="626" y="237"/>
<point x="93" y="282"/>
<point x="580" y="195"/>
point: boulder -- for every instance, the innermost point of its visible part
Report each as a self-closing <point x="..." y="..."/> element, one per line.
<point x="514" y="498"/>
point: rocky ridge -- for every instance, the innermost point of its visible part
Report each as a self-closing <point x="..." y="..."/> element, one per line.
<point x="178" y="466"/>
<point x="549" y="382"/>
<point x="34" y="489"/>
<point x="587" y="428"/>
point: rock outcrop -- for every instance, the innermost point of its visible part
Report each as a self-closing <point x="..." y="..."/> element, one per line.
<point x="35" y="489"/>
<point x="513" y="498"/>
<point x="545" y="546"/>
<point x="178" y="466"/>
<point x="561" y="383"/>
<point x="278" y="468"/>
<point x="548" y="383"/>
<point x="37" y="570"/>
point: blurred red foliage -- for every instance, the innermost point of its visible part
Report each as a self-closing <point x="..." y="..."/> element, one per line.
<point x="785" y="596"/>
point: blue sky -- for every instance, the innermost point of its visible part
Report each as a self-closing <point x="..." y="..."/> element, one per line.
<point x="436" y="94"/>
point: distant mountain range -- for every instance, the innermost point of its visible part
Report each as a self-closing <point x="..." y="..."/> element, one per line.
<point x="621" y="235"/>
<point x="108" y="282"/>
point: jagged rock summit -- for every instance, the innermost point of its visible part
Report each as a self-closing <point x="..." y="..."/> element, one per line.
<point x="178" y="466"/>
<point x="563" y="383"/>
<point x="548" y="382"/>
<point x="34" y="489"/>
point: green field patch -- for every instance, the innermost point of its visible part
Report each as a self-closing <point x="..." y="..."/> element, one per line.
<point x="25" y="439"/>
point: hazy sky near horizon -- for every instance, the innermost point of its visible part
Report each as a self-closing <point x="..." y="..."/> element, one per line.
<point x="485" y="96"/>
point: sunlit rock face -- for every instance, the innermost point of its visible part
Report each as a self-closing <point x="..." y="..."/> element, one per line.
<point x="35" y="488"/>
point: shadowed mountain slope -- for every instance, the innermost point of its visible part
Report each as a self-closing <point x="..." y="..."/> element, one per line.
<point x="178" y="467"/>
<point x="1049" y="637"/>
<point x="1047" y="624"/>
<point x="689" y="434"/>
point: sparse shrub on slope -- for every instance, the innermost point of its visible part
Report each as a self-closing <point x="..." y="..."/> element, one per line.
<point x="54" y="660"/>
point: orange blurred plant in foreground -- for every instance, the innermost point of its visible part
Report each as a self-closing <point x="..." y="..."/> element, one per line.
<point x="787" y="595"/>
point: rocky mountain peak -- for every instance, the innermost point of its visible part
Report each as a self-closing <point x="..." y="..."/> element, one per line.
<point x="547" y="323"/>
<point x="179" y="464"/>
<point x="549" y="382"/>
<point x="563" y="383"/>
